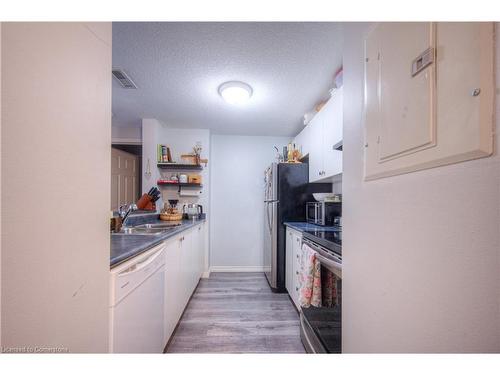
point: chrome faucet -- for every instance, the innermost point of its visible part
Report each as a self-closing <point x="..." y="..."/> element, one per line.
<point x="125" y="210"/>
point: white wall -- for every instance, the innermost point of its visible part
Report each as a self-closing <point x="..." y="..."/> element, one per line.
<point x="236" y="235"/>
<point x="420" y="250"/>
<point x="0" y="183"/>
<point x="180" y="141"/>
<point x="150" y="135"/>
<point x="56" y="135"/>
<point x="126" y="134"/>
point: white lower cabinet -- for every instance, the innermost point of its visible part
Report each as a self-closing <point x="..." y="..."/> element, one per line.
<point x="292" y="272"/>
<point x="187" y="258"/>
<point x="184" y="265"/>
<point x="136" y="304"/>
<point x="199" y="234"/>
<point x="150" y="292"/>
<point x="288" y="261"/>
<point x="173" y="274"/>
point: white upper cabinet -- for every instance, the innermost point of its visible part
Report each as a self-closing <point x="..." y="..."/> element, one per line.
<point x="321" y="139"/>
<point x="316" y="147"/>
<point x="429" y="94"/>
<point x="303" y="140"/>
<point x="332" y="135"/>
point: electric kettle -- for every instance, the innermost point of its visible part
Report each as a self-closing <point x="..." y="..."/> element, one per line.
<point x="192" y="210"/>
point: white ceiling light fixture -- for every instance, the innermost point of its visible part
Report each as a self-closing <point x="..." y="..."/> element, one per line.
<point x="235" y="92"/>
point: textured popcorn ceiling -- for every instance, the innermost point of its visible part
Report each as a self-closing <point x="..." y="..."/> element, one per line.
<point x="179" y="67"/>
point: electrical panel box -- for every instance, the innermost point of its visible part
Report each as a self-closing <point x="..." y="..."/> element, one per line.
<point x="429" y="95"/>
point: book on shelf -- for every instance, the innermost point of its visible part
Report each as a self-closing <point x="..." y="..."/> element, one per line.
<point x="163" y="154"/>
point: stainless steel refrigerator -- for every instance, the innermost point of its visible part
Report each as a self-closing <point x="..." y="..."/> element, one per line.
<point x="287" y="190"/>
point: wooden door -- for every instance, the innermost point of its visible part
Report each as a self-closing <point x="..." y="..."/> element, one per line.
<point x="124" y="178"/>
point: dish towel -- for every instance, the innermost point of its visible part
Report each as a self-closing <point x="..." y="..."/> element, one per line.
<point x="329" y="288"/>
<point x="309" y="278"/>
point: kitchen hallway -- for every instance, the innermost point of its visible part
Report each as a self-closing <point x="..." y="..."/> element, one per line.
<point x="233" y="312"/>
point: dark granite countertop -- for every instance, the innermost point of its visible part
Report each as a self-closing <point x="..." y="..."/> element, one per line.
<point x="303" y="226"/>
<point x="126" y="246"/>
<point x="329" y="237"/>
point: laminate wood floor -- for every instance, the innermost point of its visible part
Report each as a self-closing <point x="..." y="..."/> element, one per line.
<point x="237" y="313"/>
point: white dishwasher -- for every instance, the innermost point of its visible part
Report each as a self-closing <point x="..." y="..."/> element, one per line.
<point x="136" y="308"/>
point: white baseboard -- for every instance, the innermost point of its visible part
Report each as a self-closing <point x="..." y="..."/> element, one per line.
<point x="205" y="275"/>
<point x="237" y="269"/>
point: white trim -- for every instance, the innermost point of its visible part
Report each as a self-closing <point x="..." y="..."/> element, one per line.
<point x="205" y="275"/>
<point x="126" y="141"/>
<point x="237" y="269"/>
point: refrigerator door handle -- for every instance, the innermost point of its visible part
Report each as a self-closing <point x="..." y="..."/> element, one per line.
<point x="269" y="228"/>
<point x="270" y="218"/>
<point x="270" y="221"/>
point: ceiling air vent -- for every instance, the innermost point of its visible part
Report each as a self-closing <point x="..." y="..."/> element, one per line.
<point x="124" y="79"/>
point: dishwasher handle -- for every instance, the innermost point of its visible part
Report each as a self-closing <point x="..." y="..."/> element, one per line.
<point x="141" y="265"/>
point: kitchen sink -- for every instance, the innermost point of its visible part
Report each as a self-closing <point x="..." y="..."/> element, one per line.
<point x="157" y="226"/>
<point x="148" y="229"/>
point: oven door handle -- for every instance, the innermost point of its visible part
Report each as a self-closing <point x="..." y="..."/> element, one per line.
<point x="329" y="260"/>
<point x="329" y="263"/>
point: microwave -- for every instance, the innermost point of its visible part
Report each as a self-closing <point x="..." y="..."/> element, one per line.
<point x="323" y="213"/>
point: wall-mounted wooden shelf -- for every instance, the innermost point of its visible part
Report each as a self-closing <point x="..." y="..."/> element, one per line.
<point x="179" y="184"/>
<point x="178" y="166"/>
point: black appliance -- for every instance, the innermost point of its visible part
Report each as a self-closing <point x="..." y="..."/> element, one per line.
<point x="287" y="189"/>
<point x="321" y="327"/>
<point x="323" y="213"/>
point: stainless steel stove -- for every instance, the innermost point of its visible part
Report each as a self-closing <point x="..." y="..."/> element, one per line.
<point x="321" y="327"/>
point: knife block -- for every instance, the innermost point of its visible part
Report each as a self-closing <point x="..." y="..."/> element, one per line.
<point x="151" y="206"/>
<point x="145" y="203"/>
